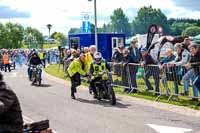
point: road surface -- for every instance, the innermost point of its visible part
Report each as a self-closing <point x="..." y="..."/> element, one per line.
<point x="85" y="115"/>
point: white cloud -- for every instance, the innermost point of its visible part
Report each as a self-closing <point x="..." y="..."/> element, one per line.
<point x="64" y="14"/>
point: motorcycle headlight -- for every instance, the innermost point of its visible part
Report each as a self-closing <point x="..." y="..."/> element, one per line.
<point x="39" y="67"/>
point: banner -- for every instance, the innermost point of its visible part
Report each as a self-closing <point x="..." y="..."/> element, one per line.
<point x="86" y="25"/>
<point x="151" y="32"/>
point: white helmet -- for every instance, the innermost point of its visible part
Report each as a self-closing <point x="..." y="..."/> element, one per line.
<point x="97" y="57"/>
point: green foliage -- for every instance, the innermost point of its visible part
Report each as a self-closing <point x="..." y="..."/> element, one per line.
<point x="191" y="31"/>
<point x="184" y="20"/>
<point x="148" y="16"/>
<point x="119" y="22"/>
<point x="60" y="37"/>
<point x="11" y="35"/>
<point x="33" y="38"/>
<point x="178" y="27"/>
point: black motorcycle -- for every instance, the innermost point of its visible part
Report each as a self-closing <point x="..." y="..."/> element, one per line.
<point x="104" y="88"/>
<point x="36" y="74"/>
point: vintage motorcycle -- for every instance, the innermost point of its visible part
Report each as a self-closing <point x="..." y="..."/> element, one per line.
<point x="36" y="74"/>
<point x="104" y="88"/>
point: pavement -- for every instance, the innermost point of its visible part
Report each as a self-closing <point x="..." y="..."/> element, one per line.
<point x="86" y="115"/>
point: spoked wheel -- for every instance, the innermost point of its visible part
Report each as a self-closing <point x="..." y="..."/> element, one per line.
<point x="33" y="81"/>
<point x="100" y="95"/>
<point x="39" y="79"/>
<point x="112" y="96"/>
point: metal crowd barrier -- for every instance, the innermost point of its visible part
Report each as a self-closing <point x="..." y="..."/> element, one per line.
<point x="170" y="81"/>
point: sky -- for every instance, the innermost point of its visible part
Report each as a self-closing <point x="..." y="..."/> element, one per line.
<point x="65" y="14"/>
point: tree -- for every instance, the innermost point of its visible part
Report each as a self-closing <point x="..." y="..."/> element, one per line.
<point x="11" y="35"/>
<point x="2" y="35"/>
<point x="178" y="27"/>
<point x="119" y="22"/>
<point x="60" y="37"/>
<point x="33" y="38"/>
<point x="191" y="31"/>
<point x="147" y="16"/>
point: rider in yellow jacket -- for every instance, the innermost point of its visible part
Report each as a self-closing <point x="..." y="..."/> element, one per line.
<point x="75" y="70"/>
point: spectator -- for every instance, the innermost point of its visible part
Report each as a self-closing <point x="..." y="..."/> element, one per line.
<point x="89" y="57"/>
<point x="117" y="58"/>
<point x="11" y="120"/>
<point x="48" y="57"/>
<point x="150" y="70"/>
<point x="125" y="71"/>
<point x="136" y="57"/>
<point x="6" y="62"/>
<point x="85" y="50"/>
<point x="88" y="61"/>
<point x="67" y="60"/>
<point x="195" y="57"/>
<point x="134" y="51"/>
<point x="1" y="61"/>
<point x="186" y="44"/>
<point x="183" y="57"/>
<point x="169" y="56"/>
<point x="118" y="55"/>
<point x="78" y="52"/>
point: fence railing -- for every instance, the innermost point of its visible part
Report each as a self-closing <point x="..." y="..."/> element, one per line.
<point x="166" y="80"/>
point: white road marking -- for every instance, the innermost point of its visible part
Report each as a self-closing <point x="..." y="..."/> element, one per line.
<point x="29" y="120"/>
<point x="168" y="129"/>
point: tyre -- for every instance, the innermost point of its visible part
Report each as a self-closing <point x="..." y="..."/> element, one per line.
<point x="14" y="66"/>
<point x="33" y="81"/>
<point x="39" y="79"/>
<point x="112" y="96"/>
<point x="39" y="82"/>
<point x="100" y="94"/>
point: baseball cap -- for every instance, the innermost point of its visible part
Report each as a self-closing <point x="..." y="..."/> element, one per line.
<point x="143" y="50"/>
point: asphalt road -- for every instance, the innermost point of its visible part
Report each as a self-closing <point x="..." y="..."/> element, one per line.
<point x="85" y="115"/>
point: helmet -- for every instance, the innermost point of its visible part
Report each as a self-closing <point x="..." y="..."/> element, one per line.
<point x="97" y="57"/>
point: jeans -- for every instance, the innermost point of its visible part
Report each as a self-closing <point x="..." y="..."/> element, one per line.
<point x="164" y="82"/>
<point x="186" y="81"/>
<point x="133" y="70"/>
<point x="152" y="71"/>
<point x="196" y="82"/>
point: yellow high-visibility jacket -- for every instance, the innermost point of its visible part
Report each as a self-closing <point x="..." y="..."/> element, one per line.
<point x="88" y="61"/>
<point x="76" y="67"/>
<point x="41" y="55"/>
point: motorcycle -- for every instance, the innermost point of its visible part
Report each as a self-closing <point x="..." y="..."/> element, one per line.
<point x="104" y="88"/>
<point x="37" y="127"/>
<point x="36" y="74"/>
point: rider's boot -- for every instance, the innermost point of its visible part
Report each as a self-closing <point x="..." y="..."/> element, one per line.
<point x="72" y="93"/>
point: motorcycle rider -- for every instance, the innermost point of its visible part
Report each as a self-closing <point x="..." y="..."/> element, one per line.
<point x="34" y="60"/>
<point x="98" y="66"/>
<point x="75" y="70"/>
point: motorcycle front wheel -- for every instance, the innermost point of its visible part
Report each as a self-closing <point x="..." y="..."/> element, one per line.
<point x="112" y="96"/>
<point x="39" y="79"/>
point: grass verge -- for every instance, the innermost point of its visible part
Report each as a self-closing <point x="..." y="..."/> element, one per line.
<point x="181" y="101"/>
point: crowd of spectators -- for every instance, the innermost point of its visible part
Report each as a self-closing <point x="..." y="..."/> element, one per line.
<point x="179" y="64"/>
